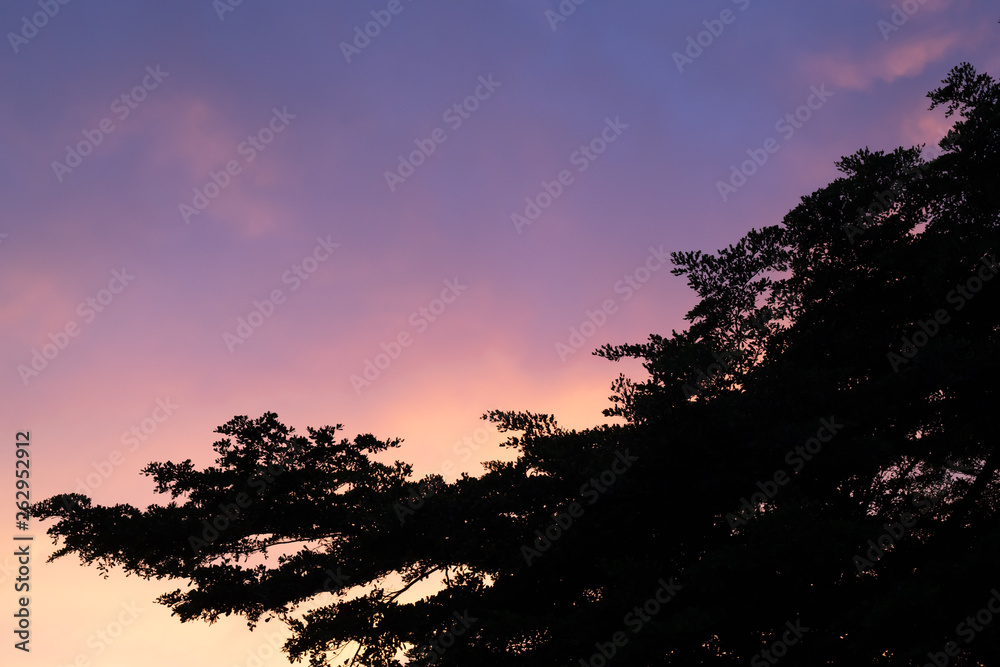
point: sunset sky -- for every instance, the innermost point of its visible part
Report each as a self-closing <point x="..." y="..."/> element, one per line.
<point x="212" y="209"/>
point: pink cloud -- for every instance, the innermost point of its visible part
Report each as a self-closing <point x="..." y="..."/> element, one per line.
<point x="922" y="127"/>
<point x="202" y="139"/>
<point x="35" y="301"/>
<point x="903" y="59"/>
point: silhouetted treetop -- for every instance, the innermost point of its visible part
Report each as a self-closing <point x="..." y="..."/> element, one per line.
<point x="813" y="458"/>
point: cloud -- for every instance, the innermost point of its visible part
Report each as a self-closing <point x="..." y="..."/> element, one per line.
<point x="858" y="71"/>
<point x="34" y="301"/>
<point x="199" y="139"/>
<point x="919" y="126"/>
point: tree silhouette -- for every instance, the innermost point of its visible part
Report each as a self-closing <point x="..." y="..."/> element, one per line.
<point x="808" y="471"/>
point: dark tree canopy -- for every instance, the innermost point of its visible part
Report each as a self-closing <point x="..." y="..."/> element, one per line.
<point x="810" y="468"/>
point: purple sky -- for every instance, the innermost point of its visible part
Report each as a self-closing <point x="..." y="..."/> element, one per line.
<point x="122" y="290"/>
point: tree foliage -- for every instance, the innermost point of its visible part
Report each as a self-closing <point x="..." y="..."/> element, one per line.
<point x="816" y="450"/>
